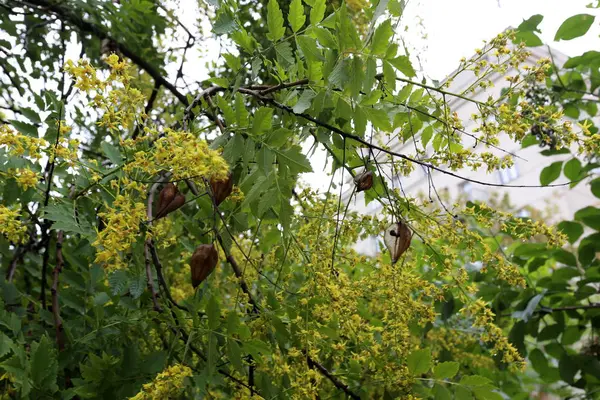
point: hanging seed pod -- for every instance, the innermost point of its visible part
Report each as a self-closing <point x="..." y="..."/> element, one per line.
<point x="397" y="239"/>
<point x="169" y="200"/>
<point x="221" y="189"/>
<point x="364" y="181"/>
<point x="204" y="260"/>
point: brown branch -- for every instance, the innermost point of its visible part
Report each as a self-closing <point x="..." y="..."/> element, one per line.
<point x="58" y="324"/>
<point x="283" y="86"/>
<point x="338" y="384"/>
<point x="70" y="16"/>
<point x="392" y="153"/>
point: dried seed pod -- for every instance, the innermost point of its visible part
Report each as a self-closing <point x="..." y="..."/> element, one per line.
<point x="169" y="200"/>
<point x="221" y="189"/>
<point x="204" y="260"/>
<point x="364" y="181"/>
<point x="397" y="239"/>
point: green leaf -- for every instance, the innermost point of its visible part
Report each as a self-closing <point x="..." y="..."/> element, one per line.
<point x="6" y="344"/>
<point x="24" y="128"/>
<point x="274" y="21"/>
<point x="572" y="169"/>
<point x="112" y="152"/>
<point x="475" y="380"/>
<point x="265" y="158"/>
<point x="235" y="355"/>
<point x="441" y="392"/>
<point x="263" y="121"/>
<point x="486" y="393"/>
<point x="31" y="115"/>
<point x="241" y="114"/>
<point x="293" y="159"/>
<point x="403" y="64"/>
<point x="379" y="118"/>
<point x="381" y="38"/>
<point x="304" y="101"/>
<point x="446" y="370"/>
<point x="296" y="16"/>
<point x="233" y="149"/>
<point x="589" y="216"/>
<point x="309" y="48"/>
<point x="226" y="109"/>
<point x="325" y="37"/>
<point x="357" y="77"/>
<point x="595" y="187"/>
<point x="213" y="312"/>
<point x="419" y="361"/>
<point x="529" y="38"/>
<point x="550" y="173"/>
<point x="266" y="201"/>
<point x="567" y="368"/>
<point x="44" y="365"/>
<point x="538" y="361"/>
<point x="574" y="26"/>
<point x="63" y="216"/>
<point x="317" y="12"/>
<point x="284" y="53"/>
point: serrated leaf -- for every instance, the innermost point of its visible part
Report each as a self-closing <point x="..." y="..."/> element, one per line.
<point x="446" y="370"/>
<point x="284" y="53"/>
<point x="309" y="48"/>
<point x="63" y="216"/>
<point x="213" y="312"/>
<point x="233" y="149"/>
<point x="357" y="77"/>
<point x="267" y="201"/>
<point x="44" y="365"/>
<point x="224" y="23"/>
<point x="226" y="109"/>
<point x="31" y="115"/>
<point x="293" y="159"/>
<point x="24" y="128"/>
<point x="262" y="121"/>
<point x="304" y="101"/>
<point x="241" y="114"/>
<point x="137" y="286"/>
<point x="317" y="12"/>
<point x="234" y="353"/>
<point x="574" y="26"/>
<point x="325" y="37"/>
<point x="403" y="64"/>
<point x="296" y="16"/>
<point x="379" y="118"/>
<point x="112" y="152"/>
<point x="381" y="38"/>
<point x="419" y="362"/>
<point x="274" y="21"/>
<point x="550" y="173"/>
<point x="265" y="158"/>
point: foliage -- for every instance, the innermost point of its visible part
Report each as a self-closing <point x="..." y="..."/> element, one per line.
<point x="96" y="294"/>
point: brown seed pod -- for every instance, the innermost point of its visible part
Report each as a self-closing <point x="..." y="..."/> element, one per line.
<point x="364" y="181"/>
<point x="204" y="260"/>
<point x="169" y="200"/>
<point x="397" y="239"/>
<point x="221" y="189"/>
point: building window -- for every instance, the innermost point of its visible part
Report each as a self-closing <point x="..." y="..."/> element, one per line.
<point x="508" y="174"/>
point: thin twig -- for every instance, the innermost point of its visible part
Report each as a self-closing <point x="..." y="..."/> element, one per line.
<point x="58" y="324"/>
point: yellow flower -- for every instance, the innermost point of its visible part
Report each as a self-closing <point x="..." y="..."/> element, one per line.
<point x="167" y="384"/>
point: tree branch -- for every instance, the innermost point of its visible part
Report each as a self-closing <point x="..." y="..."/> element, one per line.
<point x="60" y="334"/>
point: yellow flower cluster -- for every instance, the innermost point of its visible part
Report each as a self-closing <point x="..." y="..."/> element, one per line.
<point x="483" y="318"/>
<point x="122" y="230"/>
<point x="168" y="384"/>
<point x="181" y="153"/>
<point x="19" y="144"/>
<point x="26" y="178"/>
<point x="11" y="226"/>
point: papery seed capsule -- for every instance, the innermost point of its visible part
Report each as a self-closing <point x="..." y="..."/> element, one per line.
<point x="397" y="239"/>
<point x="364" y="181"/>
<point x="169" y="200"/>
<point x="204" y="260"/>
<point x="221" y="189"/>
